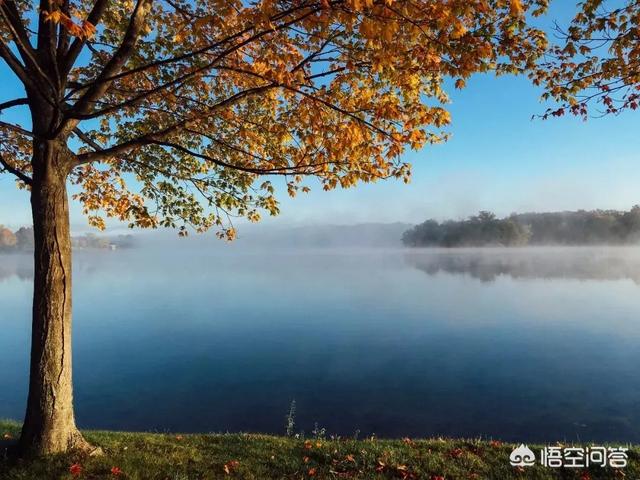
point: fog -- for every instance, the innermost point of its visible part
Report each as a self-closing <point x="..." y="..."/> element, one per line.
<point x="154" y="251"/>
<point x="487" y="264"/>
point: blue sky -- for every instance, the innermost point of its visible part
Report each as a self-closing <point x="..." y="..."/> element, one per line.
<point x="498" y="159"/>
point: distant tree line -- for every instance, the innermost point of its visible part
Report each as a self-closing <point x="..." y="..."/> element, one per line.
<point x="554" y="228"/>
<point x="22" y="240"/>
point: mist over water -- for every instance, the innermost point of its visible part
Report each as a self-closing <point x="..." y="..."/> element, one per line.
<point x="518" y="344"/>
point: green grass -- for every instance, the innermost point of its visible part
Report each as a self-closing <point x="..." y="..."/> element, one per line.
<point x="263" y="457"/>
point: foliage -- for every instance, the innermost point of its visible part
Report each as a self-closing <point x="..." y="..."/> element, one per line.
<point x="176" y="108"/>
<point x="483" y="229"/>
<point x="561" y="228"/>
<point x="245" y="456"/>
<point x="597" y="62"/>
<point x="24" y="238"/>
<point x="7" y="238"/>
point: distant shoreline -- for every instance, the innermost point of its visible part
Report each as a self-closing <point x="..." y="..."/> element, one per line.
<point x="580" y="228"/>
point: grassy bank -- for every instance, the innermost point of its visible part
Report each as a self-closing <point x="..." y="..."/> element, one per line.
<point x="262" y="457"/>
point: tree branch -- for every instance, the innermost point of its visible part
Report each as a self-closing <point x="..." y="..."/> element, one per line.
<point x="7" y="167"/>
<point x="94" y="18"/>
<point x="17" y="129"/>
<point x="47" y="43"/>
<point x="15" y="65"/>
<point x="13" y="103"/>
<point x="63" y="37"/>
<point x="13" y="20"/>
<point x="87" y="139"/>
<point x="155" y="137"/>
<point x="74" y="114"/>
<point x="214" y="45"/>
<point x="113" y="66"/>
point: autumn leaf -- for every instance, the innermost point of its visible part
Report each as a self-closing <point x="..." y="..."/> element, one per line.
<point x="516" y="8"/>
<point x="116" y="471"/>
<point x="55" y="16"/>
<point x="456" y="453"/>
<point x="75" y="469"/>
<point x="88" y="29"/>
<point x="230" y="466"/>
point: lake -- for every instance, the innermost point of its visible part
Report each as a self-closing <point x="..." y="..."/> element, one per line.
<point x="521" y="345"/>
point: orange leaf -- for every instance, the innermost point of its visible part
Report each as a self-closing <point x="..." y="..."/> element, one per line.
<point x="516" y="8"/>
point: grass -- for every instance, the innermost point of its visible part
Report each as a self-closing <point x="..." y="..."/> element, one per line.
<point x="263" y="457"/>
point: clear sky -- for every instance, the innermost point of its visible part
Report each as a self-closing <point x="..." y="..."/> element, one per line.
<point x="498" y="159"/>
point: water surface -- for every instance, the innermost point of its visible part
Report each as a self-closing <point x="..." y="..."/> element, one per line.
<point x="522" y="345"/>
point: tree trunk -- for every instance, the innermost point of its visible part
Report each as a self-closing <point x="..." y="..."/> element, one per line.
<point x="49" y="425"/>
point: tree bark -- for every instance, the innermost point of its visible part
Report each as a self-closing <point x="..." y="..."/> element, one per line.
<point x="49" y="425"/>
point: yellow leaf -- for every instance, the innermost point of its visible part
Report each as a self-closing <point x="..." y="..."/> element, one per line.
<point x="516" y="8"/>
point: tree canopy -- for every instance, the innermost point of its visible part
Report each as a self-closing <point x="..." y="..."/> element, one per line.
<point x="595" y="68"/>
<point x="173" y="109"/>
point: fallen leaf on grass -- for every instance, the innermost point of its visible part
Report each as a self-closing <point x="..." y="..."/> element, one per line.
<point x="75" y="469"/>
<point x="403" y="472"/>
<point x="456" y="453"/>
<point x="116" y="471"/>
<point x="230" y="466"/>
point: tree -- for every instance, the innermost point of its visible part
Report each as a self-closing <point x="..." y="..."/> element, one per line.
<point x="7" y="238"/>
<point x="24" y="237"/>
<point x="597" y="62"/>
<point x="171" y="112"/>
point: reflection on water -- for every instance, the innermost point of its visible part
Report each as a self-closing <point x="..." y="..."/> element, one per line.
<point x="18" y="265"/>
<point x="612" y="263"/>
<point x="362" y="340"/>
